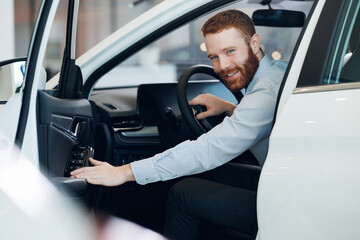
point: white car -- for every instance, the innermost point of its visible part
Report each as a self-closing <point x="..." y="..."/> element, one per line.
<point x="118" y="101"/>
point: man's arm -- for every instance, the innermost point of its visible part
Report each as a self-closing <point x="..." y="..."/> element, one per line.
<point x="214" y="105"/>
<point x="105" y="174"/>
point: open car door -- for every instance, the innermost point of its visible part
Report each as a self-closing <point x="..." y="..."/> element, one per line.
<point x="51" y="128"/>
<point x="18" y="116"/>
<point x="64" y="120"/>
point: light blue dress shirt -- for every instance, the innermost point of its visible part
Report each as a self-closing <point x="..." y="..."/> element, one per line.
<point x="248" y="127"/>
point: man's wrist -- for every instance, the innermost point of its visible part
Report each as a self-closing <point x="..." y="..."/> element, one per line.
<point x="129" y="175"/>
<point x="230" y="109"/>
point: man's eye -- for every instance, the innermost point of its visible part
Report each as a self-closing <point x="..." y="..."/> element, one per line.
<point x="213" y="58"/>
<point x="230" y="51"/>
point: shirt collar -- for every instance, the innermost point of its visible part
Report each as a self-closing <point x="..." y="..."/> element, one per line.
<point x="263" y="65"/>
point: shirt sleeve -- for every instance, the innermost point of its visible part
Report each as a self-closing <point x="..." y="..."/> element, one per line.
<point x="250" y="122"/>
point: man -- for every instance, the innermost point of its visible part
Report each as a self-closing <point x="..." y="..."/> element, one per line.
<point x="226" y="195"/>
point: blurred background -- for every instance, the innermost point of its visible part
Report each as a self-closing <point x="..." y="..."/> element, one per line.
<point x="102" y="18"/>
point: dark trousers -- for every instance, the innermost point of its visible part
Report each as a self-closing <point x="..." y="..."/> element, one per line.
<point x="225" y="196"/>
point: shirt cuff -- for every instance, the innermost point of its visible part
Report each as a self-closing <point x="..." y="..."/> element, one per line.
<point x="144" y="171"/>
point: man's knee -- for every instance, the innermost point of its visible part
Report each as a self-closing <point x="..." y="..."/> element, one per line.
<point x="181" y="221"/>
<point x="181" y="192"/>
<point x="182" y="188"/>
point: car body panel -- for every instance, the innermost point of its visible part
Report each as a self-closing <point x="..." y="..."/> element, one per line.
<point x="307" y="188"/>
<point x="28" y="134"/>
<point x="299" y="57"/>
<point x="9" y="119"/>
<point x="308" y="183"/>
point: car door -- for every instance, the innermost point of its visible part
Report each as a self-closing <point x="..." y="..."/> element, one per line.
<point x="308" y="187"/>
<point x="64" y="120"/>
<point x="18" y="116"/>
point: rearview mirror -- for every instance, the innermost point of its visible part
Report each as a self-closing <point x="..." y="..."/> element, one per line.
<point x="11" y="77"/>
<point x="278" y="18"/>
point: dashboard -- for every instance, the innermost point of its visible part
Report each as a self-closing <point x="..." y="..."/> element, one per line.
<point x="141" y="121"/>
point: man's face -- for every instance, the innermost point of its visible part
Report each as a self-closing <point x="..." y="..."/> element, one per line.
<point x="232" y="58"/>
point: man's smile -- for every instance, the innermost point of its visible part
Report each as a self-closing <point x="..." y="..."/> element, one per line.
<point x="232" y="74"/>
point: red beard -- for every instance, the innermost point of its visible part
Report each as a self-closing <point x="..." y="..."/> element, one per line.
<point x="247" y="72"/>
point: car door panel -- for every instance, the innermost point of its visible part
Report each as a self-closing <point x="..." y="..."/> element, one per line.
<point x="63" y="123"/>
<point x="312" y="163"/>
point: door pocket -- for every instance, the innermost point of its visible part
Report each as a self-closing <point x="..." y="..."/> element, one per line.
<point x="62" y="142"/>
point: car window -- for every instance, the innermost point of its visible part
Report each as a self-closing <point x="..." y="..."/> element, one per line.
<point x="100" y="18"/>
<point x="56" y="43"/>
<point x="97" y="19"/>
<point x="165" y="59"/>
<point x="342" y="66"/>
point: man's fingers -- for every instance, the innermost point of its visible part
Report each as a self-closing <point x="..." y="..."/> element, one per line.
<point x="80" y="170"/>
<point x="95" y="162"/>
<point x="84" y="170"/>
<point x="202" y="115"/>
<point x="198" y="100"/>
<point x="207" y="113"/>
<point x="87" y="169"/>
<point x="193" y="102"/>
<point x="86" y="174"/>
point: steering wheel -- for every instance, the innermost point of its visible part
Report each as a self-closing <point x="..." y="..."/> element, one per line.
<point x="188" y="112"/>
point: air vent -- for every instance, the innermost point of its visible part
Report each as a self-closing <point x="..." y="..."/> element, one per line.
<point x="112" y="107"/>
<point x="128" y="124"/>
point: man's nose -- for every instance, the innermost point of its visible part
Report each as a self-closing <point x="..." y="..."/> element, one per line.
<point x="224" y="63"/>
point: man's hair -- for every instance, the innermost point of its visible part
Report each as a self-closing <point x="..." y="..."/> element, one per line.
<point x="230" y="19"/>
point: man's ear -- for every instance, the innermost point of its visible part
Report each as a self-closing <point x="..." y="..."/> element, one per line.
<point x="255" y="43"/>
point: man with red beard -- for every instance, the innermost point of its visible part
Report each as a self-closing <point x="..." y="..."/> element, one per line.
<point x="226" y="195"/>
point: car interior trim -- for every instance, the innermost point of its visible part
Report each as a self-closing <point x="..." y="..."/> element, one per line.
<point x="138" y="141"/>
<point x="317" y="54"/>
<point x="135" y="128"/>
<point x="30" y="71"/>
<point x="74" y="29"/>
<point x="146" y="131"/>
<point x="296" y="48"/>
<point x="326" y="88"/>
<point x="62" y="120"/>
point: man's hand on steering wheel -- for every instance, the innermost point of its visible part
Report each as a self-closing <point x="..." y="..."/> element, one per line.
<point x="188" y="113"/>
<point x="214" y="105"/>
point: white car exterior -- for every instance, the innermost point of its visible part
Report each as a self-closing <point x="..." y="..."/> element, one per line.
<point x="308" y="187"/>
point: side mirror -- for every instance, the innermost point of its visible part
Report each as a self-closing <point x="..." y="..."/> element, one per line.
<point x="11" y="77"/>
<point x="278" y="18"/>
